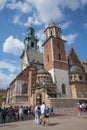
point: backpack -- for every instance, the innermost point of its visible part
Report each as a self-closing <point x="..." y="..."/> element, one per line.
<point x="46" y="111"/>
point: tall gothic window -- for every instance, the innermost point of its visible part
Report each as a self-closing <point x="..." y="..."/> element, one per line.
<point x="51" y="33"/>
<point x="63" y="89"/>
<point x="86" y="77"/>
<point x="31" y="32"/>
<point x="32" y="44"/>
<point x="58" y="44"/>
<point x="24" y="89"/>
<point x="47" y="58"/>
<point x="59" y="56"/>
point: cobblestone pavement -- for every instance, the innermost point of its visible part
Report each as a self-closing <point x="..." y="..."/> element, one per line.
<point x="64" y="119"/>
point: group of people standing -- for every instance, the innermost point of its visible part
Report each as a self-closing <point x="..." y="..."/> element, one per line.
<point x="12" y="113"/>
<point x="39" y="112"/>
<point x="81" y="107"/>
<point x="42" y="114"/>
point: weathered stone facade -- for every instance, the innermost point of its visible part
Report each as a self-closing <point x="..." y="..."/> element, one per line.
<point x="3" y="93"/>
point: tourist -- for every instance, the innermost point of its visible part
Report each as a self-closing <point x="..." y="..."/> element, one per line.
<point x="4" y="114"/>
<point x="37" y="113"/>
<point x="16" y="110"/>
<point x="78" y="109"/>
<point x="46" y="112"/>
<point x="21" y="113"/>
<point x="0" y="115"/>
<point x="42" y="107"/>
<point x="51" y="111"/>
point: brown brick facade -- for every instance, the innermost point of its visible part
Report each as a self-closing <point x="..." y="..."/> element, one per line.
<point x="54" y="49"/>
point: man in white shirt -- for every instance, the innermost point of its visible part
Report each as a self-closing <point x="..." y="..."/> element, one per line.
<point x="42" y="107"/>
<point x="21" y="113"/>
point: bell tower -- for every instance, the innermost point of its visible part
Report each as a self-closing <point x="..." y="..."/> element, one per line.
<point x="55" y="58"/>
<point x="31" y="52"/>
<point x="30" y="41"/>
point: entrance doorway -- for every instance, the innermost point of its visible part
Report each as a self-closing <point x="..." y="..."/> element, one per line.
<point x="38" y="99"/>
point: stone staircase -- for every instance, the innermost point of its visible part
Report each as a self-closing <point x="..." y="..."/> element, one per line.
<point x="63" y="103"/>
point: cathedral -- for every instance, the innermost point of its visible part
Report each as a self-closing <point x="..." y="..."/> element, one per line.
<point x="53" y="74"/>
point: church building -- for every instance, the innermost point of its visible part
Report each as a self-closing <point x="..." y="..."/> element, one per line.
<point x="49" y="75"/>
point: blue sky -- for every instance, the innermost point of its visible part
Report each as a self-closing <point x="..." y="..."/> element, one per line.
<point x="17" y="15"/>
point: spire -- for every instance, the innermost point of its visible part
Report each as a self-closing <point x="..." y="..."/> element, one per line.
<point x="30" y="31"/>
<point x="51" y="23"/>
<point x="30" y="41"/>
<point x="71" y="45"/>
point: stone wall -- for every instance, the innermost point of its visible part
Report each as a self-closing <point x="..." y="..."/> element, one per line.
<point x="64" y="103"/>
<point x="79" y="89"/>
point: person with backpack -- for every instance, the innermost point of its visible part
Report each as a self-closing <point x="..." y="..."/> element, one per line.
<point x="37" y="113"/>
<point x="46" y="112"/>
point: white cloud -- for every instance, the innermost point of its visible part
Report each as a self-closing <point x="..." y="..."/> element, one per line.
<point x="43" y="10"/>
<point x="8" y="71"/>
<point x="55" y="9"/>
<point x="46" y="9"/>
<point x="5" y="80"/>
<point x="40" y="46"/>
<point x="2" y="3"/>
<point x="40" y="34"/>
<point x="65" y="25"/>
<point x="83" y="2"/>
<point x="70" y="38"/>
<point x="16" y="19"/>
<point x="85" y="25"/>
<point x="72" y="4"/>
<point x="32" y="20"/>
<point x="23" y="7"/>
<point x="8" y="66"/>
<point x="13" y="46"/>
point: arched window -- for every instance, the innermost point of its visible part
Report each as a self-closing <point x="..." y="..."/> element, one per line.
<point x="59" y="56"/>
<point x="86" y="77"/>
<point x="32" y="44"/>
<point x="47" y="58"/>
<point x="80" y="77"/>
<point x="51" y="33"/>
<point x="24" y="89"/>
<point x="58" y="44"/>
<point x="63" y="89"/>
<point x="46" y="35"/>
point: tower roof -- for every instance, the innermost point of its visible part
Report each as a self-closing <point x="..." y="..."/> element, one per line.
<point x="30" y="30"/>
<point x="51" y="23"/>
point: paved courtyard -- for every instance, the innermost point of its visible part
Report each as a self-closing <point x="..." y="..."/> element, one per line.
<point x="64" y="119"/>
